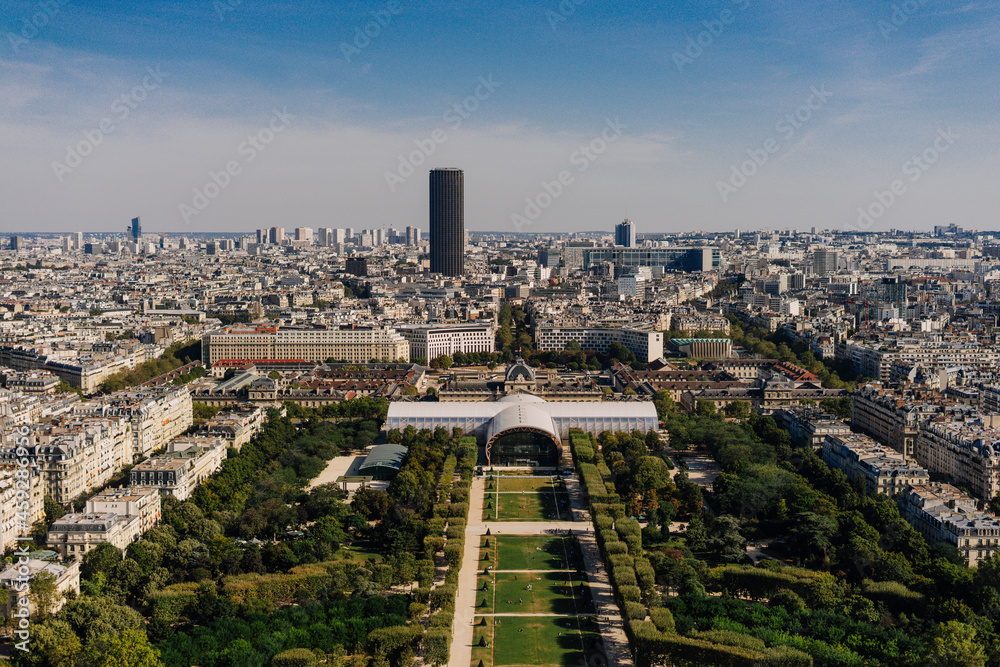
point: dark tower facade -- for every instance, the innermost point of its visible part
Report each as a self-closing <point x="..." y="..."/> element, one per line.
<point x="447" y="221"/>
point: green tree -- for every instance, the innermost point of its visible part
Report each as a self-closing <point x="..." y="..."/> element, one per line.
<point x="695" y="535"/>
<point x="45" y="593"/>
<point x="727" y="543"/>
<point x="53" y="644"/>
<point x="129" y="649"/>
<point x="664" y="404"/>
<point x="955" y="645"/>
<point x="737" y="409"/>
<point x="53" y="510"/>
<point x="704" y="407"/>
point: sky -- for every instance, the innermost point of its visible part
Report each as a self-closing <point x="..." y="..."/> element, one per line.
<point x="233" y="115"/>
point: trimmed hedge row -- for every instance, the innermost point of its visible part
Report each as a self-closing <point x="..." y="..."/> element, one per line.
<point x="653" y="647"/>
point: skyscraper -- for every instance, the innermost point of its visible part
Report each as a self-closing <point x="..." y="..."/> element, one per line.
<point x="135" y="232"/>
<point x="447" y="221"/>
<point x="625" y="234"/>
<point x="825" y="262"/>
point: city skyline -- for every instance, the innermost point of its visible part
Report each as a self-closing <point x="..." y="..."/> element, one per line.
<point x="684" y="118"/>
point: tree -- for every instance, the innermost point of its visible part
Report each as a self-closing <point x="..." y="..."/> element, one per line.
<point x="704" y="407"/>
<point x="695" y="535"/>
<point x="53" y="510"/>
<point x="727" y="542"/>
<point x="445" y="361"/>
<point x="664" y="404"/>
<point x="53" y="643"/>
<point x="101" y="558"/>
<point x="129" y="649"/>
<point x="737" y="409"/>
<point x="45" y="593"/>
<point x="955" y="645"/>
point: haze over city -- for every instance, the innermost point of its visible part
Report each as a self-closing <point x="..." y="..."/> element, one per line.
<point x="681" y="116"/>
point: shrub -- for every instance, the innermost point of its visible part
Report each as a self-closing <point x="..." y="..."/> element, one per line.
<point x="635" y="611"/>
<point x="296" y="657"/>
<point x="630" y="593"/>
<point x="663" y="619"/>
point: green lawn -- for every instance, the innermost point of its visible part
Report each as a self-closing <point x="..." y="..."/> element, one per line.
<point x="532" y="507"/>
<point x="482" y="653"/>
<point x="539" y="641"/>
<point x="527" y="484"/>
<point x="536" y="552"/>
<point x="551" y="593"/>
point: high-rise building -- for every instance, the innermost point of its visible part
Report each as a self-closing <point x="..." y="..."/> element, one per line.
<point x="277" y="236"/>
<point x="304" y="234"/>
<point x="340" y="236"/>
<point x="447" y="221"/>
<point x="625" y="234"/>
<point x="325" y="236"/>
<point x="17" y="243"/>
<point x="78" y="240"/>
<point x="412" y="236"/>
<point x="135" y="231"/>
<point x="825" y="262"/>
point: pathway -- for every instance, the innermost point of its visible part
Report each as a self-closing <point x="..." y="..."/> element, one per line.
<point x="460" y="654"/>
<point x="341" y="465"/>
<point x="608" y="615"/>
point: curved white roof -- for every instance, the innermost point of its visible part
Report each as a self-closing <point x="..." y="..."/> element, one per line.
<point x="522" y="416"/>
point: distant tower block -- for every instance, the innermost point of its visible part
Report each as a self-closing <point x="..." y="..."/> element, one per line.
<point x="447" y="221"/>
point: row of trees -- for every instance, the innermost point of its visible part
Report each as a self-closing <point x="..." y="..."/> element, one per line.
<point x="174" y="357"/>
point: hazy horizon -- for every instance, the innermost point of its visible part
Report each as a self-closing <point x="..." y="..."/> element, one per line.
<point x="823" y="108"/>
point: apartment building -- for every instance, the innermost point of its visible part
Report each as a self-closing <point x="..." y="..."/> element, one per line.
<point x="965" y="451"/>
<point x="142" y="502"/>
<point x="21" y="502"/>
<point x="883" y="470"/>
<point x="353" y="344"/>
<point x="809" y="427"/>
<point x="67" y="580"/>
<point x="156" y="415"/>
<point x="185" y="465"/>
<point x="646" y="345"/>
<point x="74" y="535"/>
<point x="73" y="456"/>
<point x="942" y="513"/>
<point x="431" y="341"/>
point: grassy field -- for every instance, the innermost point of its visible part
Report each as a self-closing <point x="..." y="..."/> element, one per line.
<point x="551" y="593"/>
<point x="527" y="484"/>
<point x="532" y="507"/>
<point x="535" y="552"/>
<point x="539" y="641"/>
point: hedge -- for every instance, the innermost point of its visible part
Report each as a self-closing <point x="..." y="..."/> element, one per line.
<point x="653" y="647"/>
<point x="663" y="619"/>
<point x="296" y="657"/>
<point x="635" y="611"/>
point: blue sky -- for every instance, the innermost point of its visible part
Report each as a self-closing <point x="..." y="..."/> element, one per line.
<point x="874" y="85"/>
